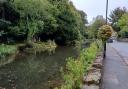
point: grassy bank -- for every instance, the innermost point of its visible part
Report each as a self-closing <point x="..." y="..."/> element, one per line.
<point x="7" y="53"/>
<point x="37" y="47"/>
<point x="77" y="68"/>
<point x="6" y="50"/>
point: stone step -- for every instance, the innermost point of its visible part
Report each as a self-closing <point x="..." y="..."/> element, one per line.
<point x="91" y="87"/>
<point x="93" y="77"/>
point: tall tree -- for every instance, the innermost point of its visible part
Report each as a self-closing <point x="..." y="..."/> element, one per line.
<point x="96" y="24"/>
<point x="115" y="15"/>
<point x="83" y="16"/>
<point x="83" y="26"/>
<point x="36" y="16"/>
<point x="123" y="24"/>
<point x="69" y="21"/>
<point x="58" y="20"/>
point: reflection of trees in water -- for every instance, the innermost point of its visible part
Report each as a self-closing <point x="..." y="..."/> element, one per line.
<point x="36" y="71"/>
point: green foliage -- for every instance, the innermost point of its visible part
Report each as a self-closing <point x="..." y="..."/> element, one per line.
<point x="83" y="27"/>
<point x="123" y="21"/>
<point x="8" y="14"/>
<point x="57" y="20"/>
<point x="16" y="30"/>
<point x="94" y="27"/>
<point x="83" y="16"/>
<point x="38" y="47"/>
<point x="123" y="24"/>
<point x="69" y="21"/>
<point x="115" y="15"/>
<point x="76" y="68"/>
<point x="6" y="50"/>
<point x="105" y="32"/>
<point x="123" y="33"/>
<point x="32" y="8"/>
<point x="36" y="16"/>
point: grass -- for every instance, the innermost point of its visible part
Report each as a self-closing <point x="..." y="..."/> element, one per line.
<point x="77" y="68"/>
<point x="6" y="50"/>
<point x="7" y="53"/>
<point x="48" y="46"/>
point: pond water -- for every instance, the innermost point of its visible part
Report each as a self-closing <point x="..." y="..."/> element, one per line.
<point x="30" y="71"/>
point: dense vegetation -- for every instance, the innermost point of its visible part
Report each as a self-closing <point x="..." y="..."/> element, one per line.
<point x="34" y="20"/>
<point x="7" y="53"/>
<point x="40" y="26"/>
<point x="115" y="15"/>
<point x="77" y="68"/>
<point x="6" y="50"/>
<point x="92" y="29"/>
<point x="118" y="19"/>
<point x="123" y="24"/>
<point x="31" y="22"/>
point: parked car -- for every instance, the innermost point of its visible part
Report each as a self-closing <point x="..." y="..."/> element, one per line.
<point x="110" y="40"/>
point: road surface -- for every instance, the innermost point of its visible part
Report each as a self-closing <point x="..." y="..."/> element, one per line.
<point x="115" y="72"/>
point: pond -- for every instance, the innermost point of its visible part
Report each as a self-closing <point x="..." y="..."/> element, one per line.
<point x="30" y="71"/>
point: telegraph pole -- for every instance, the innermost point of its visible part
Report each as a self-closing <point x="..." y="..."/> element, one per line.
<point x="106" y="12"/>
<point x="104" y="55"/>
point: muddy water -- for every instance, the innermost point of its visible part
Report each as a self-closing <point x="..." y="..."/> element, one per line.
<point x="30" y="71"/>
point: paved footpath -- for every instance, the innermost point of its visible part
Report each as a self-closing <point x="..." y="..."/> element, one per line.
<point x="115" y="72"/>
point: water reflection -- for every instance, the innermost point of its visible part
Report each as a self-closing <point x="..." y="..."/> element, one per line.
<point x="30" y="71"/>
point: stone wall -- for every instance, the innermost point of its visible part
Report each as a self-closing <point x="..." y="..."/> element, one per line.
<point x="93" y="78"/>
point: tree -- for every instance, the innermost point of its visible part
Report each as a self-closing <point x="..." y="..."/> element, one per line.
<point x="123" y="24"/>
<point x="8" y="16"/>
<point x="69" y="21"/>
<point x="96" y="24"/>
<point x="115" y="15"/>
<point x="123" y="21"/>
<point x="83" y="28"/>
<point x="83" y="16"/>
<point x="123" y="33"/>
<point x="36" y="16"/>
<point x="57" y="20"/>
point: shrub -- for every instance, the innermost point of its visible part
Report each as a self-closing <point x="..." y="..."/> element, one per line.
<point x="37" y="47"/>
<point x="76" y="68"/>
<point x="124" y="32"/>
<point x="6" y="50"/>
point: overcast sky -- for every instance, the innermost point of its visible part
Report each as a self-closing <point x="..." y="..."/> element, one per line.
<point x="97" y="7"/>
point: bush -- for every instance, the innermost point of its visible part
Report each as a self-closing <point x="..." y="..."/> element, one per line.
<point x="76" y="68"/>
<point x="6" y="50"/>
<point x="124" y="32"/>
<point x="38" y="47"/>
